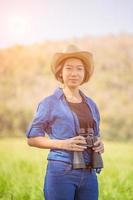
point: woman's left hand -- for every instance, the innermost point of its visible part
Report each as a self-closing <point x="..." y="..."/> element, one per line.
<point x="98" y="146"/>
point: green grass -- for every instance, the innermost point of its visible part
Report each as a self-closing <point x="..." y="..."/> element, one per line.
<point x="22" y="170"/>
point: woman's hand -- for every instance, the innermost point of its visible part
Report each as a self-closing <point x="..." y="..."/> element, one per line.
<point x="74" y="144"/>
<point x="98" y="146"/>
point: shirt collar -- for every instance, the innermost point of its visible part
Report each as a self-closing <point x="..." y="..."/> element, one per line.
<point x="59" y="93"/>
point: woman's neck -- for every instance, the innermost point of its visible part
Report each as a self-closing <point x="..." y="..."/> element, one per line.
<point x="72" y="94"/>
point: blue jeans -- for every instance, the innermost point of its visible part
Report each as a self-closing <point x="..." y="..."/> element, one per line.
<point x="64" y="183"/>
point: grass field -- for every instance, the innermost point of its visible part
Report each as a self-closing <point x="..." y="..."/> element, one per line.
<point x="22" y="169"/>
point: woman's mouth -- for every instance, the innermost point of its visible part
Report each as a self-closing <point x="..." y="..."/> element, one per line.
<point x="73" y="79"/>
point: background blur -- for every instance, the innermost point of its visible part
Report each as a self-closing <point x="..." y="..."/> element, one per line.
<point x="31" y="31"/>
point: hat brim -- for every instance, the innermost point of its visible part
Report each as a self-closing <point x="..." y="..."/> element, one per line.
<point x="84" y="56"/>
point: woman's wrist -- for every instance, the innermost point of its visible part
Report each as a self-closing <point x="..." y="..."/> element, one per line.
<point x="59" y="144"/>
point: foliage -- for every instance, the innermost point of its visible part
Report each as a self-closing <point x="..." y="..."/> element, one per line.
<point x="22" y="169"/>
<point x="26" y="78"/>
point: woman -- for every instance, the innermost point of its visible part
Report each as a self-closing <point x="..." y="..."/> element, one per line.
<point x="63" y="116"/>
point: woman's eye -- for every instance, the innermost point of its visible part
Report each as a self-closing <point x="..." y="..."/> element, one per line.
<point x="68" y="68"/>
<point x="80" y="68"/>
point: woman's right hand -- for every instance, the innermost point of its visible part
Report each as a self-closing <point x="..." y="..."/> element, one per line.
<point x="74" y="144"/>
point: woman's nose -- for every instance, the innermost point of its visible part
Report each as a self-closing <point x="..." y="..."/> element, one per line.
<point x="74" y="72"/>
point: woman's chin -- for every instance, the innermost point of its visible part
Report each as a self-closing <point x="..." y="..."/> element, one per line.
<point x="73" y="85"/>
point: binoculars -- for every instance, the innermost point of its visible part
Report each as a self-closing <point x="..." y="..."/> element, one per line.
<point x="96" y="161"/>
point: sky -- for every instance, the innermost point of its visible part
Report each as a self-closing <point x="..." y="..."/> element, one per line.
<point x="34" y="21"/>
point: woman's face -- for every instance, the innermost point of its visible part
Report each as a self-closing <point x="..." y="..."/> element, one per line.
<point x="73" y="72"/>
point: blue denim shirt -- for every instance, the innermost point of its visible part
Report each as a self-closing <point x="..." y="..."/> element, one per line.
<point x="54" y="118"/>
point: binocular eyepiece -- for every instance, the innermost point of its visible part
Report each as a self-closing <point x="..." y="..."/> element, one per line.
<point x="88" y="134"/>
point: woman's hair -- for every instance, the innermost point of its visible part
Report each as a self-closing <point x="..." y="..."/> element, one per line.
<point x="59" y="68"/>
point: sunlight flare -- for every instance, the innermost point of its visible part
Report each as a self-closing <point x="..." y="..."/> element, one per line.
<point x="18" y="28"/>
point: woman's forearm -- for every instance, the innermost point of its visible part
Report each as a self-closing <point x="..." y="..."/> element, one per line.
<point x="45" y="143"/>
<point x="71" y="144"/>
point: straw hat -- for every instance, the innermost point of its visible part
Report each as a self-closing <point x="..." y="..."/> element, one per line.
<point x="73" y="51"/>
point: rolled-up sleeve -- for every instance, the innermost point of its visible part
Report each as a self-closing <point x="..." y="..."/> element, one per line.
<point x="40" y="122"/>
